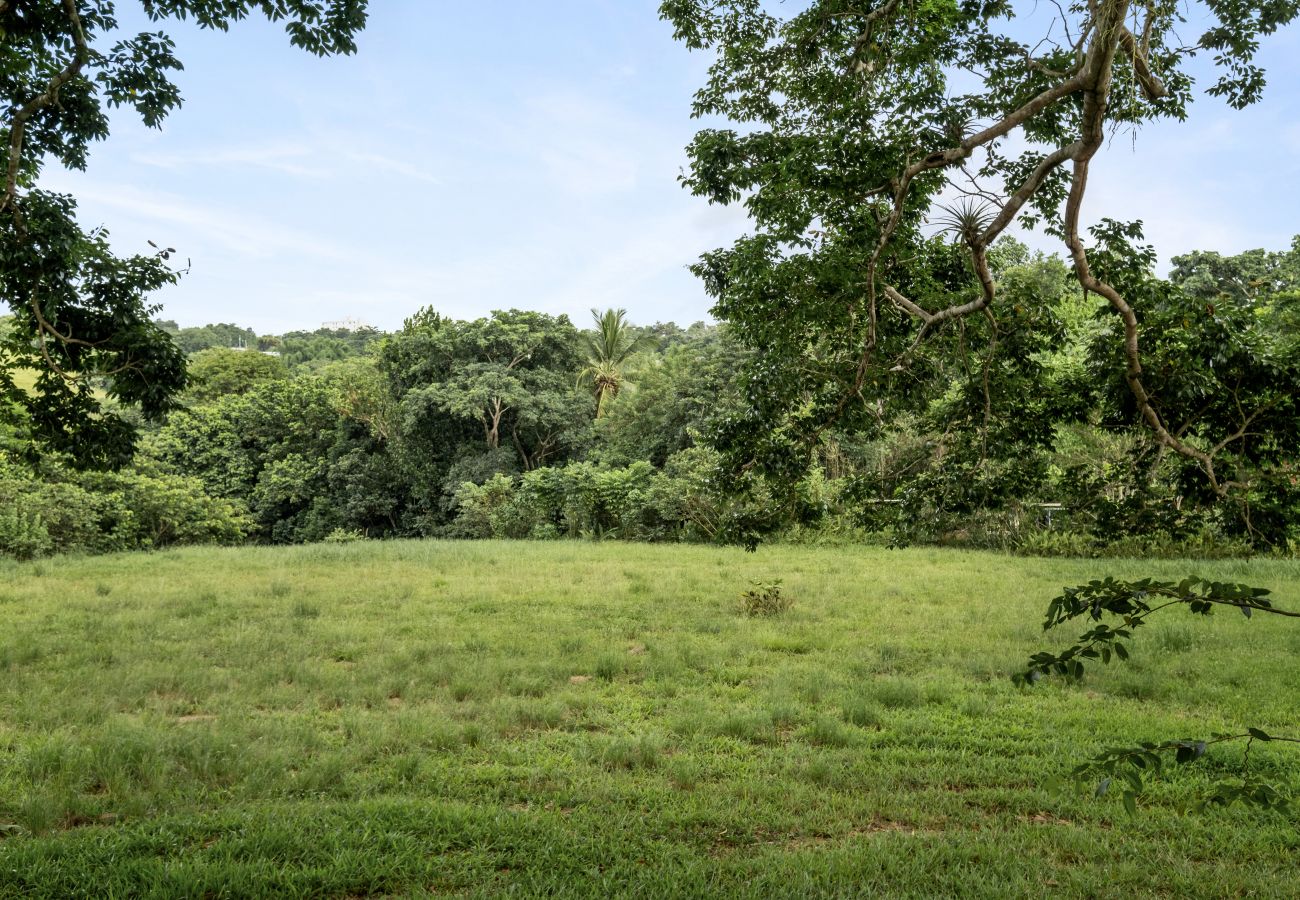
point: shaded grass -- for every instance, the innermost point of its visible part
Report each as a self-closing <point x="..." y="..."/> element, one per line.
<point x="466" y="718"/>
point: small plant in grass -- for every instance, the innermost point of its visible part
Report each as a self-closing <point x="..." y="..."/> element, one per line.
<point x="765" y="598"/>
<point x="1130" y="604"/>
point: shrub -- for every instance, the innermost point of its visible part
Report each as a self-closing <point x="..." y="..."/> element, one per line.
<point x="59" y="511"/>
<point x="765" y="599"/>
<point x="22" y="534"/>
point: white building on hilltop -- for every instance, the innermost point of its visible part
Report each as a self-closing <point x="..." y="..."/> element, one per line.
<point x="347" y="324"/>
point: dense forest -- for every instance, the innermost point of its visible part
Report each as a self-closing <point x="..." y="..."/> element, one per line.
<point x="1019" y="436"/>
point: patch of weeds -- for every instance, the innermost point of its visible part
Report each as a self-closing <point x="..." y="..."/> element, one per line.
<point x="304" y="610"/>
<point x="526" y="686"/>
<point x="765" y="598"/>
<point x="642" y="752"/>
<point x="665" y="669"/>
<point x="787" y="644"/>
<point x="683" y="774"/>
<point x="198" y="605"/>
<point x="898" y="693"/>
<point x="20" y="655"/>
<point x="1138" y="686"/>
<point x="1176" y="638"/>
<point x="785" y="714"/>
<point x="609" y="667"/>
<point x="827" y="732"/>
<point x="103" y="590"/>
<point x="888" y="655"/>
<point x="464" y="690"/>
<point x="864" y="714"/>
<point x="751" y="728"/>
<point x="819" y="771"/>
<point x="542" y="716"/>
<point x="936" y="692"/>
<point x="815" y="687"/>
<point x="279" y="588"/>
<point x="404" y="769"/>
<point x="693" y="718"/>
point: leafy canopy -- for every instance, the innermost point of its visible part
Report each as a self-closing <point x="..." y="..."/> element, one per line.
<point x="80" y="312"/>
<point x="881" y="150"/>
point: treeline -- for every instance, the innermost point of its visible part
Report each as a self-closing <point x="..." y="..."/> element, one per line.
<point x="521" y="425"/>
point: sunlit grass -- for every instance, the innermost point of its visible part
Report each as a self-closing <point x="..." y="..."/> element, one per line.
<point x="414" y="717"/>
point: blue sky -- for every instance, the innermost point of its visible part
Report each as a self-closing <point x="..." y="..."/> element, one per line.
<point x="519" y="154"/>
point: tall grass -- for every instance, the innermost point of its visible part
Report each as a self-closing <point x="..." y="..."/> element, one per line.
<point x="587" y="719"/>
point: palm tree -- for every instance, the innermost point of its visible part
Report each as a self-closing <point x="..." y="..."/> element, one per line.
<point x="608" y="349"/>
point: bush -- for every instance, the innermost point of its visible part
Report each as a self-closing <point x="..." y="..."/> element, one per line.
<point x="168" y="509"/>
<point x="22" y="534"/>
<point x="60" y="511"/>
<point x="765" y="599"/>
<point x="578" y="500"/>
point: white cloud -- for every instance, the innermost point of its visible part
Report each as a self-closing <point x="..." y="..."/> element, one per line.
<point x="246" y="235"/>
<point x="319" y="156"/>
<point x="284" y="157"/>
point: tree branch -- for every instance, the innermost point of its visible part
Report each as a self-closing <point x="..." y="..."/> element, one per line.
<point x="18" y="126"/>
<point x="1152" y="87"/>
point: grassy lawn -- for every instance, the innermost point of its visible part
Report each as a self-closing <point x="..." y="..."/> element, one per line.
<point x="415" y="718"/>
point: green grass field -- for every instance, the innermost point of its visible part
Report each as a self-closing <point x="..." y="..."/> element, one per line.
<point x="427" y="718"/>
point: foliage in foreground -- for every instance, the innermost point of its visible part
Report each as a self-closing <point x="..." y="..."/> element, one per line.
<point x="882" y="150"/>
<point x="1133" y="603"/>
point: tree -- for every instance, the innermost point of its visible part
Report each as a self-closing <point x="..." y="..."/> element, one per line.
<point x="493" y="395"/>
<point x="223" y="335"/>
<point x="282" y="449"/>
<point x="80" y="312"/>
<point x="223" y="372"/>
<point x="679" y="397"/>
<point x="608" y="351"/>
<point x="883" y="147"/>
